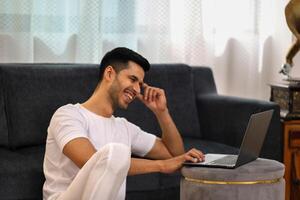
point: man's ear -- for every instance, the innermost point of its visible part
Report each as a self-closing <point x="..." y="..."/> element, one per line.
<point x="109" y="73"/>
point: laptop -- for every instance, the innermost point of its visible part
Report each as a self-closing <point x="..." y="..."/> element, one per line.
<point x="250" y="148"/>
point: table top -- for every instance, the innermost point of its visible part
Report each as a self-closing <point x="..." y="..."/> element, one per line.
<point x="260" y="169"/>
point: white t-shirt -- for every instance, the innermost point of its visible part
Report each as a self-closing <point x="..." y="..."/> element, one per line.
<point x="73" y="121"/>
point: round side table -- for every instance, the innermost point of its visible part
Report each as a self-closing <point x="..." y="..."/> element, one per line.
<point x="260" y="179"/>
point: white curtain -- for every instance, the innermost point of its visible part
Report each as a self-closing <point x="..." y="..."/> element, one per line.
<point x="243" y="41"/>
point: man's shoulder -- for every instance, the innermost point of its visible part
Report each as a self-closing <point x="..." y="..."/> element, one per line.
<point x="68" y="110"/>
<point x="69" y="114"/>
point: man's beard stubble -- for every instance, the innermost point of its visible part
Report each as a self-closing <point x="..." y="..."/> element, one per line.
<point x="113" y="92"/>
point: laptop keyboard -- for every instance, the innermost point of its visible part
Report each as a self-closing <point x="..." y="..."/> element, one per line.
<point x="227" y="160"/>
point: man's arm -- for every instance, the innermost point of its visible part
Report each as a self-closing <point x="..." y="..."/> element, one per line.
<point x="144" y="166"/>
<point x="170" y="135"/>
<point x="79" y="150"/>
<point x="171" y="142"/>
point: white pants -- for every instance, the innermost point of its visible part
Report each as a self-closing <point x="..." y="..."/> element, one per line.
<point x="102" y="176"/>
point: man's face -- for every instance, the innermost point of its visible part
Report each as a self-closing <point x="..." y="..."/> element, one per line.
<point x="126" y="85"/>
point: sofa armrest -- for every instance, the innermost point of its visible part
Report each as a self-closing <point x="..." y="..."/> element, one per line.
<point x="224" y="119"/>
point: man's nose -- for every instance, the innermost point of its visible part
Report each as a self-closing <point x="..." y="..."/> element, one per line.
<point x="137" y="88"/>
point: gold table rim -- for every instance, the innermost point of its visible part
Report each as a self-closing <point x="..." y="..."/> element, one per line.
<point x="202" y="181"/>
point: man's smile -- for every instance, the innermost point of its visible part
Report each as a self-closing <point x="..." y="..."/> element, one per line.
<point x="130" y="95"/>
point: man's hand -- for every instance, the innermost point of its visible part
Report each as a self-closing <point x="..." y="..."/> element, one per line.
<point x="173" y="164"/>
<point x="154" y="98"/>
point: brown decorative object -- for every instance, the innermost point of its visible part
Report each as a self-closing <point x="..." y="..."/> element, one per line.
<point x="292" y="16"/>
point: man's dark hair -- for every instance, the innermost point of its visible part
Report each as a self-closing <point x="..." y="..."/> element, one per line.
<point x="118" y="58"/>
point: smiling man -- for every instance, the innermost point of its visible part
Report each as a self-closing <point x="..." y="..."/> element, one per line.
<point x="88" y="150"/>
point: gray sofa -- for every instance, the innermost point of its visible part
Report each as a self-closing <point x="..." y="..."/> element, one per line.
<point x="30" y="93"/>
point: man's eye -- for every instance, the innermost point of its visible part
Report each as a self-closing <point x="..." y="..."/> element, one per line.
<point x="132" y="79"/>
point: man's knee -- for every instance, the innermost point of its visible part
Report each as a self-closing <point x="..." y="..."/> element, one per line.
<point x="118" y="158"/>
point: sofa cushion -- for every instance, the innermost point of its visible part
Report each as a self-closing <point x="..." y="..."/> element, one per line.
<point x="176" y="80"/>
<point x="3" y="122"/>
<point x="204" y="82"/>
<point x="21" y="173"/>
<point x="33" y="93"/>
